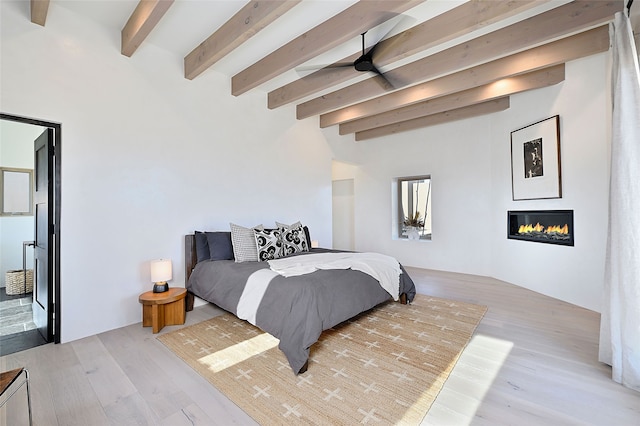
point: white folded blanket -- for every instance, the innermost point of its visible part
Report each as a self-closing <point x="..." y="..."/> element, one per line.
<point x="383" y="268"/>
<point x="253" y="293"/>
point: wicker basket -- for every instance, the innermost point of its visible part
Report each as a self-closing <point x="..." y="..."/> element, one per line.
<point x="15" y="281"/>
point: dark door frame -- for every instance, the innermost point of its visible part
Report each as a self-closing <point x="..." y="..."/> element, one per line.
<point x="57" y="128"/>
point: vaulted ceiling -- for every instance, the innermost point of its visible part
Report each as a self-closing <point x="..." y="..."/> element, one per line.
<point x="438" y="60"/>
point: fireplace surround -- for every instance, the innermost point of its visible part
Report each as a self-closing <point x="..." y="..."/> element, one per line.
<point x="541" y="226"/>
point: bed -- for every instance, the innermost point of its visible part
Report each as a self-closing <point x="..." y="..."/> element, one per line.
<point x="295" y="309"/>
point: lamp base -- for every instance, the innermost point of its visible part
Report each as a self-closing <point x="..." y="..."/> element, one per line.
<point x="160" y="287"/>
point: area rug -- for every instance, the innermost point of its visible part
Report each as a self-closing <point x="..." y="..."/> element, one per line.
<point x="385" y="366"/>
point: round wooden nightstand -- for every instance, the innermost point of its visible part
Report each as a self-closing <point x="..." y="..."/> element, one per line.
<point x="160" y="309"/>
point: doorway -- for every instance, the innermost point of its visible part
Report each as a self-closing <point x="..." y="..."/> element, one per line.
<point x="343" y="215"/>
<point x="43" y="255"/>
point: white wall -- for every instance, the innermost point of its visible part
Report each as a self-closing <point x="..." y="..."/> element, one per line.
<point x="574" y="274"/>
<point x="469" y="162"/>
<point x="148" y="156"/>
<point x="458" y="159"/>
<point x="16" y="151"/>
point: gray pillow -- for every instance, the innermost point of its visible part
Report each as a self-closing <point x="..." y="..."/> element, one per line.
<point x="220" y="247"/>
<point x="307" y="234"/>
<point x="214" y="245"/>
<point x="202" y="247"/>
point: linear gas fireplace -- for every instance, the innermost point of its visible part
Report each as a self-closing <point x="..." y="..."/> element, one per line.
<point x="541" y="226"/>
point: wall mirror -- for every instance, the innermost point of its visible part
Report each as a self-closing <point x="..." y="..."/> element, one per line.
<point x="16" y="192"/>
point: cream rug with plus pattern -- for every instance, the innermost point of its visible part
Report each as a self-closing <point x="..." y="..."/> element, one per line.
<point x="385" y="366"/>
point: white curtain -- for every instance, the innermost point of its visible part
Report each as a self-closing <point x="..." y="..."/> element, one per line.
<point x="620" y="324"/>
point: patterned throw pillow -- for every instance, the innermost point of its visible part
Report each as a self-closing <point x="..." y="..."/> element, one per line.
<point x="305" y="228"/>
<point x="294" y="239"/>
<point x="244" y="243"/>
<point x="268" y="243"/>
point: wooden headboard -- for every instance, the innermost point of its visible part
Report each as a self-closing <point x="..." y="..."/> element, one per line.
<point x="190" y="260"/>
<point x="190" y="255"/>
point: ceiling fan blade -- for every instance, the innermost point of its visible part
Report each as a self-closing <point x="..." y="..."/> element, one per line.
<point x="322" y="67"/>
<point x="363" y="63"/>
<point x="383" y="80"/>
<point x="403" y="21"/>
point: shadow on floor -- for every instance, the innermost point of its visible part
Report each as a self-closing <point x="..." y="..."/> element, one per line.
<point x="13" y="343"/>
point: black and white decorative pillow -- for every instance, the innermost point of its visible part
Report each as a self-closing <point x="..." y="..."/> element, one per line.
<point x="244" y="243"/>
<point x="268" y="243"/>
<point x="294" y="239"/>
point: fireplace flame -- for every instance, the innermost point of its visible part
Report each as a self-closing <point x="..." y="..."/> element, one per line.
<point x="554" y="229"/>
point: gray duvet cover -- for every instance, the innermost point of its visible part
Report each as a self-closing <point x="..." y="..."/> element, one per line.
<point x="296" y="310"/>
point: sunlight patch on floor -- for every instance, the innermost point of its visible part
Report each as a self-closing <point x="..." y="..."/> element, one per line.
<point x="426" y="395"/>
<point x="469" y="382"/>
<point x="239" y="352"/>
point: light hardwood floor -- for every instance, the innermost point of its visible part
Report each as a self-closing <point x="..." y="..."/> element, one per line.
<point x="533" y="361"/>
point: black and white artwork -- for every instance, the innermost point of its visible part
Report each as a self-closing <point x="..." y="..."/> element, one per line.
<point x="535" y="161"/>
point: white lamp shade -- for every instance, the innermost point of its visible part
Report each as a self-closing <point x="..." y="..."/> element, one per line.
<point x="161" y="270"/>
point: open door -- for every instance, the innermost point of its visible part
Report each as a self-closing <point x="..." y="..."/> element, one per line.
<point x="43" y="296"/>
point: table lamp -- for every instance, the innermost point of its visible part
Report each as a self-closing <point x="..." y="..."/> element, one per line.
<point x="160" y="274"/>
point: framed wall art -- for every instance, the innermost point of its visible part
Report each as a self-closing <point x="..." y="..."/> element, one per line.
<point x="535" y="161"/>
<point x="16" y="192"/>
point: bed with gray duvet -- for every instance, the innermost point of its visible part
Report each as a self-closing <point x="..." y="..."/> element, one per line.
<point x="297" y="300"/>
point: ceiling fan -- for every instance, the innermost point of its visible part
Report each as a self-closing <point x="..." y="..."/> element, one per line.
<point x="364" y="63"/>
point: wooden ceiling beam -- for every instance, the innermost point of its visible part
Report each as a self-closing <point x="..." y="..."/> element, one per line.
<point x="356" y="19"/>
<point x="488" y="107"/>
<point x="505" y="87"/>
<point x="558" y="22"/>
<point x="142" y="21"/>
<point x="39" y="10"/>
<point x="561" y="51"/>
<point x="251" y="19"/>
<point x="456" y="22"/>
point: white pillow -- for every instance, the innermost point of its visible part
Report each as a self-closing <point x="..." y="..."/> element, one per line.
<point x="294" y="239"/>
<point x="268" y="243"/>
<point x="244" y="243"/>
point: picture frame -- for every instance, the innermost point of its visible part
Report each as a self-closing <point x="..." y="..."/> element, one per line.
<point x="16" y="192"/>
<point x="535" y="161"/>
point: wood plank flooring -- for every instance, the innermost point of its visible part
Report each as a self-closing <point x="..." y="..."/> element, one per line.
<point x="533" y="361"/>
